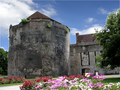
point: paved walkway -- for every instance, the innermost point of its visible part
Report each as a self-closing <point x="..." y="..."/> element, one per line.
<point x="16" y="87"/>
<point x="111" y="75"/>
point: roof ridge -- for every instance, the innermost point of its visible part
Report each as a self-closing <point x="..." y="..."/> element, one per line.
<point x="38" y="15"/>
<point x="86" y="34"/>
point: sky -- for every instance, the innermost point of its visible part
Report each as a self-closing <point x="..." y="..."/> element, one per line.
<point x="81" y="16"/>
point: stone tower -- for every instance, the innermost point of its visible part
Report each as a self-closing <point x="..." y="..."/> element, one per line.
<point x="38" y="48"/>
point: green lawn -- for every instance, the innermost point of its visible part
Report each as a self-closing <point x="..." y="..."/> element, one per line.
<point x="111" y="80"/>
<point x="4" y="76"/>
<point x="1" y="85"/>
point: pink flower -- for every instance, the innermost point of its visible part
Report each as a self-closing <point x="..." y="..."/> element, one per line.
<point x="91" y="74"/>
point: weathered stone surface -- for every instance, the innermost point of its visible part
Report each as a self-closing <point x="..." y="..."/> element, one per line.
<point x="85" y="59"/>
<point x="35" y="50"/>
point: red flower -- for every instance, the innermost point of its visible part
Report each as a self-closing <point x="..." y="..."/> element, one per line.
<point x="65" y="76"/>
<point x="38" y="80"/>
<point x="46" y="79"/>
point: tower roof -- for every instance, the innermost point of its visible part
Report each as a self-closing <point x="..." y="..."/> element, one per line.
<point x="38" y="15"/>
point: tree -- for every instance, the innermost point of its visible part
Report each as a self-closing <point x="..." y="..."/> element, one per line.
<point x="3" y="61"/>
<point x="109" y="38"/>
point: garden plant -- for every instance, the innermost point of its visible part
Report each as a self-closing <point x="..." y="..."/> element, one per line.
<point x="11" y="79"/>
<point x="73" y="82"/>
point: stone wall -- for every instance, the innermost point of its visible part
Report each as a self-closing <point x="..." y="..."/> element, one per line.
<point x="35" y="50"/>
<point x="82" y="58"/>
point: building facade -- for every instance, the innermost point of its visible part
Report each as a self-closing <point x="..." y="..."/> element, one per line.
<point x="41" y="47"/>
<point x="82" y="55"/>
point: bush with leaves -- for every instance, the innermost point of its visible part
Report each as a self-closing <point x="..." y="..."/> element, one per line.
<point x="48" y="26"/>
<point x="24" y="21"/>
<point x="3" y="61"/>
<point x="109" y="38"/>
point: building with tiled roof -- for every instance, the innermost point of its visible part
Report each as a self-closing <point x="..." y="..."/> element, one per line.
<point x="38" y="47"/>
<point x="82" y="55"/>
<point x="41" y="47"/>
<point x="38" y="15"/>
<point x="85" y="38"/>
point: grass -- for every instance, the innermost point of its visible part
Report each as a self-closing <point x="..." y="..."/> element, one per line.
<point x="2" y="85"/>
<point x="111" y="80"/>
<point x="5" y="76"/>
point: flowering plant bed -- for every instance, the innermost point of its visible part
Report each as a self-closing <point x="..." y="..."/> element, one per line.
<point x="11" y="79"/>
<point x="73" y="82"/>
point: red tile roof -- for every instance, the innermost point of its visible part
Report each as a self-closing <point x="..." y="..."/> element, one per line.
<point x="38" y="15"/>
<point x="85" y="38"/>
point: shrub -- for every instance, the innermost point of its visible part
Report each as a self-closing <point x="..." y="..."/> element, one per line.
<point x="66" y="31"/>
<point x="56" y="35"/>
<point x="46" y="45"/>
<point x="48" y="26"/>
<point x="24" y="21"/>
<point x="40" y="19"/>
<point x="1" y="80"/>
<point x="11" y="79"/>
<point x="1" y="70"/>
<point x="28" y="85"/>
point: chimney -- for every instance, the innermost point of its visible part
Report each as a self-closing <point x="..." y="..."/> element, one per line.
<point x="77" y="34"/>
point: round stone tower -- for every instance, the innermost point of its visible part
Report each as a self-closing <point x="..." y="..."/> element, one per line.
<point x="39" y="47"/>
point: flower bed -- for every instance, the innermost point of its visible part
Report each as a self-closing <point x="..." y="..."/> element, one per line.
<point x="73" y="82"/>
<point x="11" y="79"/>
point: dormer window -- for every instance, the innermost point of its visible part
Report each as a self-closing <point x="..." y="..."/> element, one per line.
<point x="52" y="23"/>
<point x="94" y="40"/>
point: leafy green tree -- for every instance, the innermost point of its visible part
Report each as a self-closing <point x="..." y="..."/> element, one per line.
<point x="109" y="38"/>
<point x="1" y="70"/>
<point x="3" y="61"/>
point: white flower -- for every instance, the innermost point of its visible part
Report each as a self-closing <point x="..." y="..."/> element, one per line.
<point x="87" y="74"/>
<point x="118" y="84"/>
<point x="65" y="80"/>
<point x="40" y="84"/>
<point x="81" y="80"/>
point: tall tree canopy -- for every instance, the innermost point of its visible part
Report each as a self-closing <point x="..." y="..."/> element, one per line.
<point x="3" y="61"/>
<point x="109" y="38"/>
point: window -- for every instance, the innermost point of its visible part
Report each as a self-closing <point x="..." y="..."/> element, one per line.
<point x="95" y="53"/>
<point x="101" y="51"/>
<point x="52" y="23"/>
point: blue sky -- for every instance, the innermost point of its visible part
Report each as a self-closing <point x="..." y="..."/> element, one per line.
<point x="81" y="16"/>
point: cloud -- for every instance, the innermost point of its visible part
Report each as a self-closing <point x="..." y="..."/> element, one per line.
<point x="49" y="10"/>
<point x="89" y="20"/>
<point x="102" y="11"/>
<point x="86" y="31"/>
<point x="12" y="11"/>
<point x="27" y="1"/>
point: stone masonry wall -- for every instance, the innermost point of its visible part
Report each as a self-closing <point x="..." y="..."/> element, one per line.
<point x="82" y="58"/>
<point x="35" y="50"/>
